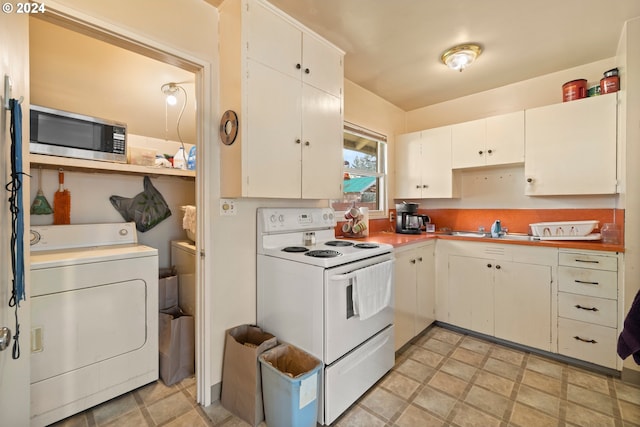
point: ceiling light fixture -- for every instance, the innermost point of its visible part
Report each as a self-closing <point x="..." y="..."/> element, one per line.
<point x="169" y="90"/>
<point x="461" y="56"/>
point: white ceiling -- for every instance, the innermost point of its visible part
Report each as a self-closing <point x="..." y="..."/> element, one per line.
<point x="393" y="47"/>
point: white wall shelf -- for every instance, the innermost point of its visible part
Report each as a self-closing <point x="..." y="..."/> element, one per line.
<point x="81" y="165"/>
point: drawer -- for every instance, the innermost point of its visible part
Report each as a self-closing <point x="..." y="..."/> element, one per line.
<point x="599" y="311"/>
<point x="585" y="281"/>
<point x="588" y="342"/>
<point x="597" y="262"/>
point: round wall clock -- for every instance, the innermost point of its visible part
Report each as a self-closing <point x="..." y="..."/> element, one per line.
<point x="228" y="127"/>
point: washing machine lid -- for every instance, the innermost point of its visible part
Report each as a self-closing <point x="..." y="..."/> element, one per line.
<point x="76" y="256"/>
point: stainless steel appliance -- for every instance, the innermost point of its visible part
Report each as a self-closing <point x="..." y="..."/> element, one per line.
<point x="310" y="294"/>
<point x="61" y="133"/>
<point x="408" y="220"/>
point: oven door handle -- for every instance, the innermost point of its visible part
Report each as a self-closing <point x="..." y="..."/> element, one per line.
<point x="345" y="276"/>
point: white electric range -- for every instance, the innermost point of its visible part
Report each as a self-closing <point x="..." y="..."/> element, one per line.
<point x="306" y="296"/>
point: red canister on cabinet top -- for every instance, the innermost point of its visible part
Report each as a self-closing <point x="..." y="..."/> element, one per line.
<point x="575" y="89"/>
<point x="610" y="82"/>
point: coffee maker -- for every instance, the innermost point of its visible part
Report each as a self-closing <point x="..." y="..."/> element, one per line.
<point x="408" y="220"/>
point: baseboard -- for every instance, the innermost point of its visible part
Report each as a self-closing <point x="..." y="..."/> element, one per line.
<point x="630" y="376"/>
<point x="216" y="392"/>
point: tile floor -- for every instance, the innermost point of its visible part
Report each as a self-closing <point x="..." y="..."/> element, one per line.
<point x="443" y="379"/>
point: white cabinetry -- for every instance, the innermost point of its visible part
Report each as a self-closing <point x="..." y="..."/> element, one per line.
<point x="588" y="306"/>
<point x="498" y="290"/>
<point x="496" y="140"/>
<point x="415" y="291"/>
<point x="571" y="147"/>
<point x="423" y="165"/>
<point x="287" y="85"/>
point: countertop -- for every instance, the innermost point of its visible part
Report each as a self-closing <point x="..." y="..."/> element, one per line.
<point x="398" y="240"/>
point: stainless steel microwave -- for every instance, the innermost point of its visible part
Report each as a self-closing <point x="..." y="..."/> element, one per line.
<point x="60" y="133"/>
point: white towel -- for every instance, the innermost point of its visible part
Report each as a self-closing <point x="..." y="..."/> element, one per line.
<point x="372" y="289"/>
<point x="189" y="219"/>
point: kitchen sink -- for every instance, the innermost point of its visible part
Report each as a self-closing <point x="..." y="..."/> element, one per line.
<point x="469" y="234"/>
<point x="480" y="234"/>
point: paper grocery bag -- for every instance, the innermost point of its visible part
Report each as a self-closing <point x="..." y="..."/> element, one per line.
<point x="241" y="378"/>
<point x="176" y="345"/>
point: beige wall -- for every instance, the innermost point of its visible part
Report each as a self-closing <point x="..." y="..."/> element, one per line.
<point x="536" y="92"/>
<point x="368" y="110"/>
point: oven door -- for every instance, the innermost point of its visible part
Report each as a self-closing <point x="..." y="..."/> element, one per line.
<point x="345" y="330"/>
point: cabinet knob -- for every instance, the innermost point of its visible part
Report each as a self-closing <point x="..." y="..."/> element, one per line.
<point x="418" y="186"/>
<point x="307" y="71"/>
<point x="425" y="186"/>
<point x="480" y="152"/>
<point x="498" y="267"/>
<point x="489" y="266"/>
<point x="307" y="143"/>
<point x="298" y="66"/>
<point x="529" y="180"/>
<point x="413" y="261"/>
<point x="298" y="141"/>
<point x="420" y="259"/>
<point x="489" y="151"/>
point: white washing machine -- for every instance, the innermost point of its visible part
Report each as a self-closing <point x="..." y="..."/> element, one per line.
<point x="94" y="314"/>
<point x="183" y="257"/>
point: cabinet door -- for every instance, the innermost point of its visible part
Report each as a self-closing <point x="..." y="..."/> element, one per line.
<point x="273" y="41"/>
<point x="523" y="304"/>
<point x="437" y="175"/>
<point x="468" y="144"/>
<point x="408" y="166"/>
<point x="571" y="147"/>
<point x="405" y="297"/>
<point x="425" y="287"/>
<point x="505" y="139"/>
<point x="471" y="293"/>
<point x="322" y="65"/>
<point x="271" y="162"/>
<point x="322" y="175"/>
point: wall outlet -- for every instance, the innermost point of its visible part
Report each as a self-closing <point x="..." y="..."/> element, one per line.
<point x="392" y="217"/>
<point x="227" y="207"/>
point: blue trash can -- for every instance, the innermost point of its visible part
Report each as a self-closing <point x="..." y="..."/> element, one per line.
<point x="290" y="384"/>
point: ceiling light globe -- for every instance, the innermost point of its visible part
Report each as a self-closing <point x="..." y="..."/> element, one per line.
<point x="172" y="100"/>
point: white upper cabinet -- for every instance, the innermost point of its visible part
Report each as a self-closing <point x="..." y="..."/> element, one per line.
<point x="571" y="147"/>
<point x="496" y="140"/>
<point x="286" y="84"/>
<point x="423" y="165"/>
<point x="281" y="44"/>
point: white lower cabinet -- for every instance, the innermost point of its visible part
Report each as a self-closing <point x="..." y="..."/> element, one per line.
<point x="498" y="290"/>
<point x="588" y="312"/>
<point x="523" y="304"/>
<point x="415" y="291"/>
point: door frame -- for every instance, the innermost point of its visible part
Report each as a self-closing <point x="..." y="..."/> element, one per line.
<point x="202" y="69"/>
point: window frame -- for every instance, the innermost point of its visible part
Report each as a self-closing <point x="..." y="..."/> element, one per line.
<point x="381" y="174"/>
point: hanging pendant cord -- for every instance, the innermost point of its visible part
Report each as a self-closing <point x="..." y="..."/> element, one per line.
<point x="17" y="218"/>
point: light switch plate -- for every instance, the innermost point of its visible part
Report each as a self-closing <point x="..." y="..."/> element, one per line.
<point x="227" y="207"/>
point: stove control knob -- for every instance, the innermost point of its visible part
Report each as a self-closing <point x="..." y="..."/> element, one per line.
<point x="272" y="218"/>
<point x="281" y="218"/>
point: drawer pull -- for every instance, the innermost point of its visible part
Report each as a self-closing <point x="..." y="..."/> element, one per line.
<point x="585" y="308"/>
<point x="582" y="282"/>
<point x="588" y="261"/>
<point x="587" y="341"/>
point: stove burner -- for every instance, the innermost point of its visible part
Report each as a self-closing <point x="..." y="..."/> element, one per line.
<point x="339" y="243"/>
<point x="366" y="246"/>
<point x="295" y="249"/>
<point x="323" y="253"/>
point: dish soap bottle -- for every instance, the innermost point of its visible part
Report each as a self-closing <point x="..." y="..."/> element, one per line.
<point x="496" y="229"/>
<point x="179" y="159"/>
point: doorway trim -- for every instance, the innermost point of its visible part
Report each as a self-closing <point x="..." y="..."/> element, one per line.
<point x="202" y="69"/>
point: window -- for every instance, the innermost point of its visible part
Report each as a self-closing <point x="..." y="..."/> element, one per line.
<point x="365" y="169"/>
